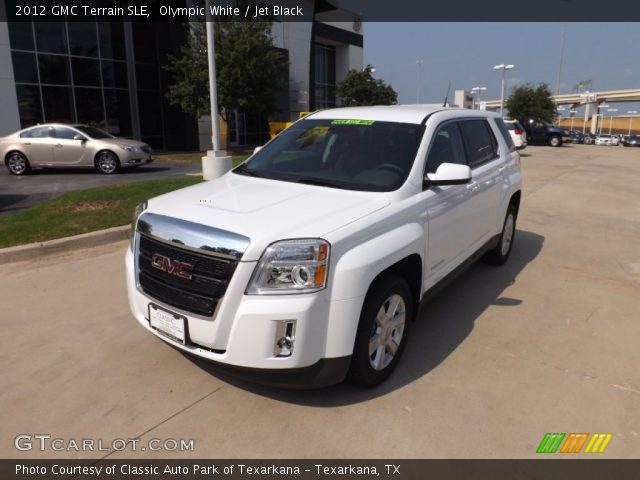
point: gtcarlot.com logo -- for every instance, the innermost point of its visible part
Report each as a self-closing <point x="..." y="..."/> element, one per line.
<point x="46" y="442"/>
<point x="573" y="442"/>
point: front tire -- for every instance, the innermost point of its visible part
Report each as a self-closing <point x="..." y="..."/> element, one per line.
<point x="107" y="162"/>
<point x="500" y="253"/>
<point x="17" y="163"/>
<point x="382" y="332"/>
<point x="555" y="141"/>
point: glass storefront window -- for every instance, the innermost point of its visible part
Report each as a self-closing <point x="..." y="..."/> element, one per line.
<point x="85" y="71"/>
<point x="21" y="36"/>
<point x="83" y="39"/>
<point x="114" y="74"/>
<point x="54" y="69"/>
<point x="118" y="112"/>
<point x="111" y="36"/>
<point x="89" y="106"/>
<point x="25" y="69"/>
<point x="58" y="105"/>
<point x="51" y="37"/>
<point x="29" y="105"/>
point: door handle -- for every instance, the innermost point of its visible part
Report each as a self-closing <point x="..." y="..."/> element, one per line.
<point x="502" y="169"/>
<point x="58" y="145"/>
<point x="472" y="186"/>
<point x="27" y="143"/>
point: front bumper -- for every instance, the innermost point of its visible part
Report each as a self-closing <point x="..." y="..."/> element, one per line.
<point x="135" y="158"/>
<point x="239" y="339"/>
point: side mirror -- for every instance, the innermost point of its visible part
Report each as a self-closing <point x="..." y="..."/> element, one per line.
<point x="448" y="174"/>
<point x="82" y="138"/>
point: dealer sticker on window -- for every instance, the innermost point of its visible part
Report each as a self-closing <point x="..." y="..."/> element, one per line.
<point x="352" y="122"/>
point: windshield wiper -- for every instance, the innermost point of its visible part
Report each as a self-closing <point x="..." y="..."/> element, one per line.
<point x="319" y="182"/>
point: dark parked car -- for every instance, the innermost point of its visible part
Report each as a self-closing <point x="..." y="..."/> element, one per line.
<point x="576" y="137"/>
<point x="543" y="132"/>
<point x="589" y="138"/>
<point x="631" y="141"/>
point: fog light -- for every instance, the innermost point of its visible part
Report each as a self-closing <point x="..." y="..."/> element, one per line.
<point x="285" y="336"/>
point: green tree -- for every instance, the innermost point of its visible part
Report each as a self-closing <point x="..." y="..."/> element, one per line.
<point x="529" y="101"/>
<point x="250" y="71"/>
<point x="360" y="88"/>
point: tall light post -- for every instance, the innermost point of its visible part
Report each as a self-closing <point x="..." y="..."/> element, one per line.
<point x="216" y="163"/>
<point x="504" y="69"/>
<point x="419" y="64"/>
<point x="631" y="112"/>
<point x="476" y="91"/>
<point x="611" y="117"/>
<point x="601" y="115"/>
<point x="573" y="112"/>
<point x="559" y="118"/>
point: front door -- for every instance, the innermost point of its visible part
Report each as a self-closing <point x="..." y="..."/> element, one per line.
<point x="66" y="150"/>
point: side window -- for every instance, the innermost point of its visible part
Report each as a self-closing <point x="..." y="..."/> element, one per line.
<point x="65" y="133"/>
<point x="504" y="130"/>
<point x="478" y="142"/>
<point x="37" y="132"/>
<point x="446" y="147"/>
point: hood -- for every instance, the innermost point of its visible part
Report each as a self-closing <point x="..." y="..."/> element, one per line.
<point x="267" y="210"/>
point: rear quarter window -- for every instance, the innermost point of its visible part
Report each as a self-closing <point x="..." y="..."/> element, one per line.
<point x="37" y="132"/>
<point x="505" y="133"/>
<point x="479" y="142"/>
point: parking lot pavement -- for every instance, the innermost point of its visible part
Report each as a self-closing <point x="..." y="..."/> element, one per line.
<point x="17" y="193"/>
<point x="546" y="343"/>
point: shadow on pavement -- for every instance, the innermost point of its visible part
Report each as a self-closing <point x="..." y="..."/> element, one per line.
<point x="6" y="200"/>
<point x="442" y="324"/>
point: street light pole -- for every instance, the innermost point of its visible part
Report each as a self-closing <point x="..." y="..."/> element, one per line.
<point x="631" y="112"/>
<point x="601" y="115"/>
<point x="573" y="113"/>
<point x="611" y="117"/>
<point x="504" y="69"/>
<point x="216" y="163"/>
<point x="419" y="65"/>
<point x="476" y="91"/>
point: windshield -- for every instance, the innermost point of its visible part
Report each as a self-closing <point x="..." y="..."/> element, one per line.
<point x="93" y="132"/>
<point x="350" y="154"/>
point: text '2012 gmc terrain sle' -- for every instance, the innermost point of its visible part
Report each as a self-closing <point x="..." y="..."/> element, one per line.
<point x="306" y="264"/>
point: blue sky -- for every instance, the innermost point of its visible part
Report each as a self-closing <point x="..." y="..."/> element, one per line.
<point x="464" y="54"/>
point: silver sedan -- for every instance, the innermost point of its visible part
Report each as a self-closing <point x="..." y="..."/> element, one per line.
<point x="58" y="145"/>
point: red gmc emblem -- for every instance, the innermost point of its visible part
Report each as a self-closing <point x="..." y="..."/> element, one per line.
<point x="172" y="267"/>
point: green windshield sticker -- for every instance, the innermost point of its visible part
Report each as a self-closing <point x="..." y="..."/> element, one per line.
<point x="352" y="122"/>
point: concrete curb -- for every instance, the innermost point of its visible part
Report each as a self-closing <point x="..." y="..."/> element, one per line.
<point x="50" y="247"/>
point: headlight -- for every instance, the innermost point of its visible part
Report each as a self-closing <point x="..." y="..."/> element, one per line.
<point x="128" y="148"/>
<point x="291" y="266"/>
<point x="141" y="207"/>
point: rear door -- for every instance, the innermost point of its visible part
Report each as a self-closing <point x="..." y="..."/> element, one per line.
<point x="487" y="165"/>
<point x="36" y="144"/>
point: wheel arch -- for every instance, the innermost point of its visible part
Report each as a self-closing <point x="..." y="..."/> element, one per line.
<point x="398" y="251"/>
<point x="104" y="150"/>
<point x="14" y="150"/>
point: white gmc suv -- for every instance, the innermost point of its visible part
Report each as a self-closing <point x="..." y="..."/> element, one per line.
<point x="306" y="264"/>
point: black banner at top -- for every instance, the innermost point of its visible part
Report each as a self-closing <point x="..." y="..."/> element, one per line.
<point x="325" y="10"/>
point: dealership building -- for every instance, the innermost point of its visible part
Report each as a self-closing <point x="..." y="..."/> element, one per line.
<point x="112" y="75"/>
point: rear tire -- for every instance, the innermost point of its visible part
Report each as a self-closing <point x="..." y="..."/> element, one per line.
<point x="382" y="332"/>
<point x="107" y="162"/>
<point x="500" y="253"/>
<point x="17" y="163"/>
